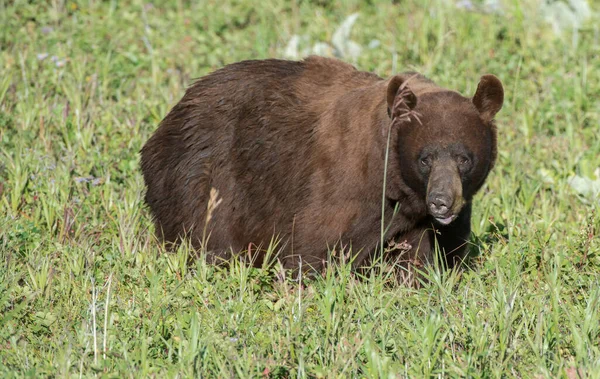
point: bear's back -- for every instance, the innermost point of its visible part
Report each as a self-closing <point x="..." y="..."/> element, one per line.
<point x="248" y="131"/>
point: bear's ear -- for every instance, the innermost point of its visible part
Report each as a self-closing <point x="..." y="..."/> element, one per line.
<point x="489" y="97"/>
<point x="399" y="97"/>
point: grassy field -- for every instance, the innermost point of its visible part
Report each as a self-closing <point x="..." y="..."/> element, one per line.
<point x="85" y="290"/>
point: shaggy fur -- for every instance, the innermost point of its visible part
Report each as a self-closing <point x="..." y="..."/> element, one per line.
<point x="297" y="150"/>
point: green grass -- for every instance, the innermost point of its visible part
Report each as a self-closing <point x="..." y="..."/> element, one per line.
<point x="86" y="290"/>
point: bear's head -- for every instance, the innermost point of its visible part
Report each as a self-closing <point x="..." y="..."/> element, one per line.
<point x="446" y="143"/>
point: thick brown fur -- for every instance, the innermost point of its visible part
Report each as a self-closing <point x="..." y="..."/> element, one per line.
<point x="297" y="150"/>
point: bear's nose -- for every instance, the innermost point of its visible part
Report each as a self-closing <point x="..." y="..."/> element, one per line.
<point x="439" y="204"/>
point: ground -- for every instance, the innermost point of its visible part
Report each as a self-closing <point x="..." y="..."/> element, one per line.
<point x="85" y="288"/>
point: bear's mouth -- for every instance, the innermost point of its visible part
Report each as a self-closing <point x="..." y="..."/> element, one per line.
<point x="445" y="220"/>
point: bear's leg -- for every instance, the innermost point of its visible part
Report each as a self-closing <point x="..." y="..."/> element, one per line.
<point x="412" y="251"/>
<point x="408" y="253"/>
<point x="453" y="239"/>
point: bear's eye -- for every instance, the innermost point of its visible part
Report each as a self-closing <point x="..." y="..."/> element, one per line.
<point x="425" y="161"/>
<point x="463" y="161"/>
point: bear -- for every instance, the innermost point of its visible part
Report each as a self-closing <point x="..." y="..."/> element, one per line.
<point x="317" y="154"/>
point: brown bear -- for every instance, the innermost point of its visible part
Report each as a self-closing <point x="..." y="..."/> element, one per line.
<point x="298" y="151"/>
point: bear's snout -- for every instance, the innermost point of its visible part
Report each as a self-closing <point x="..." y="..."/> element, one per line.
<point x="444" y="192"/>
<point x="440" y="207"/>
<point x="439" y="204"/>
